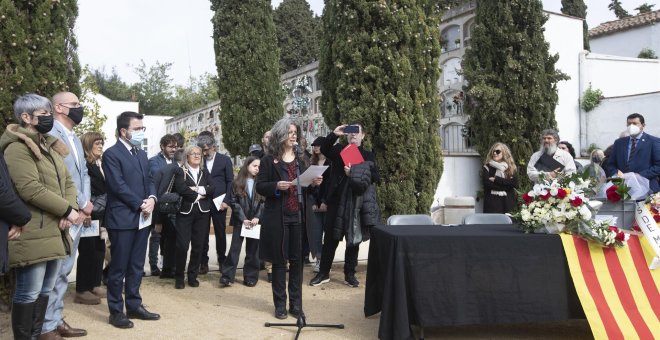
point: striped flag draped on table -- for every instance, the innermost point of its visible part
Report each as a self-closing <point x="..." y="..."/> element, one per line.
<point x="617" y="290"/>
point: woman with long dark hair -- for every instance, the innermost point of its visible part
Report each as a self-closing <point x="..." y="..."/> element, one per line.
<point x="246" y="209"/>
<point x="282" y="219"/>
<point x="318" y="197"/>
<point x="499" y="178"/>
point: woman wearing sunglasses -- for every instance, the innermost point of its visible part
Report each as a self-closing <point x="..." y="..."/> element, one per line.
<point x="499" y="179"/>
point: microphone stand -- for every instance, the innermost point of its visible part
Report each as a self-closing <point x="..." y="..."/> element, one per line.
<point x="301" y="322"/>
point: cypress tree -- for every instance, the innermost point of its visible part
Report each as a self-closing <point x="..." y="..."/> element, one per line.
<point x="37" y="50"/>
<point x="578" y="8"/>
<point x="247" y="59"/>
<point x="511" y="77"/>
<point x="379" y="67"/>
<point x="296" y="34"/>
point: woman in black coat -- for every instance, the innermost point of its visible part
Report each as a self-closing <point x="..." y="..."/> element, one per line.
<point x="192" y="182"/>
<point x="499" y="179"/>
<point x="89" y="270"/>
<point x="280" y="239"/>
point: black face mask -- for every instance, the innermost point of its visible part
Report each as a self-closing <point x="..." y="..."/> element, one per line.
<point x="76" y="114"/>
<point x="45" y="124"/>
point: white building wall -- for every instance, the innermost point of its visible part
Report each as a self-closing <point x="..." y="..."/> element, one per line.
<point x="155" y="130"/>
<point x="564" y="34"/>
<point x="608" y="119"/>
<point x="627" y="43"/>
<point x="620" y="76"/>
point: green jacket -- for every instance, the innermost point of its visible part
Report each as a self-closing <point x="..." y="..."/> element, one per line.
<point x="42" y="181"/>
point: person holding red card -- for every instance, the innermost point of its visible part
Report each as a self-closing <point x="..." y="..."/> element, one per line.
<point x="351" y="202"/>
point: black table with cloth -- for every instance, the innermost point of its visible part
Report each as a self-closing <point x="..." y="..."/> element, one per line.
<point x="433" y="276"/>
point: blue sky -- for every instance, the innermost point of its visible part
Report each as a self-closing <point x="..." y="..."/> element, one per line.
<point x="120" y="33"/>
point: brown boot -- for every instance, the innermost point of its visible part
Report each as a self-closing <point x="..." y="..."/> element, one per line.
<point x="52" y="335"/>
<point x="86" y="298"/>
<point x="67" y="331"/>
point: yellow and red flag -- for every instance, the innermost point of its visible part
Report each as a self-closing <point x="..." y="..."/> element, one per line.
<point x="617" y="290"/>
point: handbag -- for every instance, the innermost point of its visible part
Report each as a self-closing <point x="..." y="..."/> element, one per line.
<point x="169" y="202"/>
<point x="98" y="208"/>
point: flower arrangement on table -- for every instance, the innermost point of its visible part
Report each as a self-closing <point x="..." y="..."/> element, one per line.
<point x="653" y="205"/>
<point x="560" y="205"/>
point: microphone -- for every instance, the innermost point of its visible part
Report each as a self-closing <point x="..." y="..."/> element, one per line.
<point x="297" y="149"/>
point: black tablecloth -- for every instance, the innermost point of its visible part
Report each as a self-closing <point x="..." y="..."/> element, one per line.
<point x="478" y="274"/>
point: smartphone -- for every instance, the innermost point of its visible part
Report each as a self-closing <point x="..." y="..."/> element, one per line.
<point x="352" y="129"/>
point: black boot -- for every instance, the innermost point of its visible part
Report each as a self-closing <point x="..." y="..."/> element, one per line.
<point x="40" y="307"/>
<point x="21" y="320"/>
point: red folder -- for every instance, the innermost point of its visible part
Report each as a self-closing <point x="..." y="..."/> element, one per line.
<point x="351" y="155"/>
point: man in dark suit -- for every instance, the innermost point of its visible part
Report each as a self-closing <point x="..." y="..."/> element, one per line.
<point x="131" y="200"/>
<point x="13" y="214"/>
<point x="222" y="174"/>
<point x="168" y="145"/>
<point x="639" y="153"/>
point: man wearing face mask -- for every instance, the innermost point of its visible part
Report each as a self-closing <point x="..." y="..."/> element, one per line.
<point x="550" y="160"/>
<point x="639" y="153"/>
<point x="131" y="200"/>
<point x="67" y="113"/>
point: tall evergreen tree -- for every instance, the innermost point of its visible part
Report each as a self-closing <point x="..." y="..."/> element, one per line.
<point x="511" y="77"/>
<point x="578" y="8"/>
<point x="379" y="66"/>
<point x="296" y="34"/>
<point x="37" y="50"/>
<point x="247" y="59"/>
<point x="616" y="7"/>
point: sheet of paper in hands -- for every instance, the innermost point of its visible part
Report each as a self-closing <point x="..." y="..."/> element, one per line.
<point x="92" y="230"/>
<point x="251" y="231"/>
<point x="218" y="201"/>
<point x="145" y="221"/>
<point x="351" y="155"/>
<point x="312" y="172"/>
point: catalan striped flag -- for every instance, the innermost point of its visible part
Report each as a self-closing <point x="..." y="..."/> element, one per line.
<point x="617" y="290"/>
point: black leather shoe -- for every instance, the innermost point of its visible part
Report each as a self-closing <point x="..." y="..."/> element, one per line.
<point x="225" y="282"/>
<point x="280" y="313"/>
<point x="250" y="283"/>
<point x="203" y="269"/>
<point x="351" y="281"/>
<point x="120" y="320"/>
<point x="142" y="314"/>
<point x="155" y="271"/>
<point x="166" y="274"/>
<point x="179" y="284"/>
<point x="193" y="283"/>
<point x="295" y="311"/>
<point x="319" y="279"/>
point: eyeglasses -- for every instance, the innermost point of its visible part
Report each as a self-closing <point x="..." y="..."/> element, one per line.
<point x="42" y="113"/>
<point x="497" y="152"/>
<point x="195" y="154"/>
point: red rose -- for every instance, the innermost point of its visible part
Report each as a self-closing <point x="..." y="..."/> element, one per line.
<point x="656" y="218"/>
<point x="576" y="202"/>
<point x="561" y="193"/>
<point x="546" y="196"/>
<point x="635" y="227"/>
<point x="614" y="229"/>
<point x="613" y="196"/>
<point x="528" y="199"/>
<point x="611" y="188"/>
<point x="620" y="236"/>
<point x="654" y="210"/>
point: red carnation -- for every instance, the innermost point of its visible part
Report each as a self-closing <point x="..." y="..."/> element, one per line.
<point x="635" y="227"/>
<point x="561" y="193"/>
<point x="612" y="195"/>
<point x="614" y="229"/>
<point x="546" y="196"/>
<point x="620" y="236"/>
<point x="656" y="218"/>
<point x="654" y="210"/>
<point x="528" y="199"/>
<point x="576" y="202"/>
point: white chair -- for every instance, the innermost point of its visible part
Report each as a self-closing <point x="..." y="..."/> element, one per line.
<point x="410" y="220"/>
<point x="486" y="219"/>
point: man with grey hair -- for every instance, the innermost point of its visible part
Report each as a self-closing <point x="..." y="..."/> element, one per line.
<point x="221" y="170"/>
<point x="549" y="161"/>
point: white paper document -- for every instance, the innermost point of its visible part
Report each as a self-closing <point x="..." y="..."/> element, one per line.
<point x="218" y="201"/>
<point x="251" y="232"/>
<point x="312" y="172"/>
<point x="91" y="230"/>
<point x="145" y="221"/>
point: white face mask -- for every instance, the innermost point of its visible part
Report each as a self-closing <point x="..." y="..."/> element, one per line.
<point x="634" y="130"/>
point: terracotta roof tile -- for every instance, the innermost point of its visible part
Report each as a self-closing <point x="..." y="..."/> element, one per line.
<point x="625" y="24"/>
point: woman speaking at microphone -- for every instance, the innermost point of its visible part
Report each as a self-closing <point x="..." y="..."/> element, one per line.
<point x="282" y="218"/>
